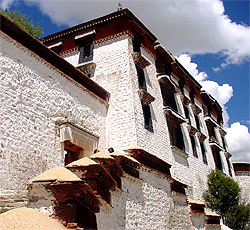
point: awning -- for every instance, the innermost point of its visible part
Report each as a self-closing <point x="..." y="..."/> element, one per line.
<point x="77" y="136"/>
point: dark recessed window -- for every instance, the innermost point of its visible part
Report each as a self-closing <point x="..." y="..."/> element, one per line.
<point x="137" y="43"/>
<point x="192" y="138"/>
<point x="147" y="117"/>
<point x="191" y="94"/>
<point x="168" y="69"/>
<point x="211" y="132"/>
<point x="176" y="135"/>
<point x="168" y="97"/>
<point x="197" y="121"/>
<point x="181" y="85"/>
<point x="141" y="78"/>
<point x="217" y="159"/>
<point x="187" y="114"/>
<point x="203" y="151"/>
<point x="229" y="167"/>
<point x="86" y="50"/>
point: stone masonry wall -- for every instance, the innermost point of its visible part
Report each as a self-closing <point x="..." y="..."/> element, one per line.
<point x="116" y="72"/>
<point x="243" y="179"/>
<point x="34" y="96"/>
<point x="144" y="203"/>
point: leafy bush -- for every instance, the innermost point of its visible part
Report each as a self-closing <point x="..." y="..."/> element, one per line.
<point x="223" y="196"/>
<point x="23" y="22"/>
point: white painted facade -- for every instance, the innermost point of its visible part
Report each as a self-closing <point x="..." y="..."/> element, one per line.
<point x="115" y="71"/>
<point x="35" y="98"/>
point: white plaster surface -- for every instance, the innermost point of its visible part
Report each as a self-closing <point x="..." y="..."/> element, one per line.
<point x="33" y="97"/>
<point x="115" y="71"/>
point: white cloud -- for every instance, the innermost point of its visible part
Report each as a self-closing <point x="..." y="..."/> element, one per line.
<point x="6" y="3"/>
<point x="238" y="138"/>
<point x="193" y="26"/>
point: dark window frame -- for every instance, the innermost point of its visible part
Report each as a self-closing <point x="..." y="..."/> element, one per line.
<point x="148" y="123"/>
<point x="176" y="135"/>
<point x="187" y="114"/>
<point x="197" y="122"/>
<point x="86" y="50"/>
<point x="194" y="146"/>
<point x="141" y="78"/>
<point x="137" y="43"/>
<point x="203" y="152"/>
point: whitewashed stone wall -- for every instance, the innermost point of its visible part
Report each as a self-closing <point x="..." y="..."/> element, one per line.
<point x="113" y="73"/>
<point x="144" y="203"/>
<point x="116" y="72"/>
<point x="34" y="96"/>
<point x="243" y="179"/>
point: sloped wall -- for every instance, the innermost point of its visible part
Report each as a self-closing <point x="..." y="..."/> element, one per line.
<point x="34" y="96"/>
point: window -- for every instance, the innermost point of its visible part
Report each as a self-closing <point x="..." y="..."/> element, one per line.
<point x="147" y="117"/>
<point x="168" y="96"/>
<point x="191" y="94"/>
<point x="192" y="138"/>
<point x="211" y="132"/>
<point x="73" y="152"/>
<point x="187" y="114"/>
<point x="217" y="159"/>
<point x="86" y="50"/>
<point x="141" y="78"/>
<point x="181" y="85"/>
<point x="77" y="142"/>
<point x="168" y="69"/>
<point x="229" y="167"/>
<point x="137" y="43"/>
<point x="203" y="151"/>
<point x="197" y="121"/>
<point x="176" y="135"/>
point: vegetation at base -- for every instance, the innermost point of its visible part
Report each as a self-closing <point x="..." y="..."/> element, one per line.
<point x="223" y="197"/>
<point x="23" y="22"/>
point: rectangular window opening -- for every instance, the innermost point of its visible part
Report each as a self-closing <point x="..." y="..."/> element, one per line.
<point x="193" y="142"/>
<point x="86" y="51"/>
<point x="203" y="151"/>
<point x="147" y="117"/>
<point x="141" y="78"/>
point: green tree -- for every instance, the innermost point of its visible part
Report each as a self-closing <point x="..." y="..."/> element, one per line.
<point x="223" y="192"/>
<point x="238" y="217"/>
<point x="23" y="21"/>
<point x="223" y="196"/>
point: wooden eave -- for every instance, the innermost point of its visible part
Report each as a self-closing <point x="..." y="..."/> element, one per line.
<point x="164" y="53"/>
<point x="150" y="160"/>
<point x="97" y="172"/>
<point x="81" y="192"/>
<point x="128" y="164"/>
<point x="99" y="21"/>
<point x="34" y="45"/>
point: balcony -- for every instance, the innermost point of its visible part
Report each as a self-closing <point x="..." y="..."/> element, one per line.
<point x="214" y="144"/>
<point x="210" y="121"/>
<point x="172" y="114"/>
<point x="140" y="60"/>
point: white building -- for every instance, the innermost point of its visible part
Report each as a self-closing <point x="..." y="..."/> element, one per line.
<point x="111" y="84"/>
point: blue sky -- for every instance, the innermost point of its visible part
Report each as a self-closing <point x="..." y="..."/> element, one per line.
<point x="214" y="35"/>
